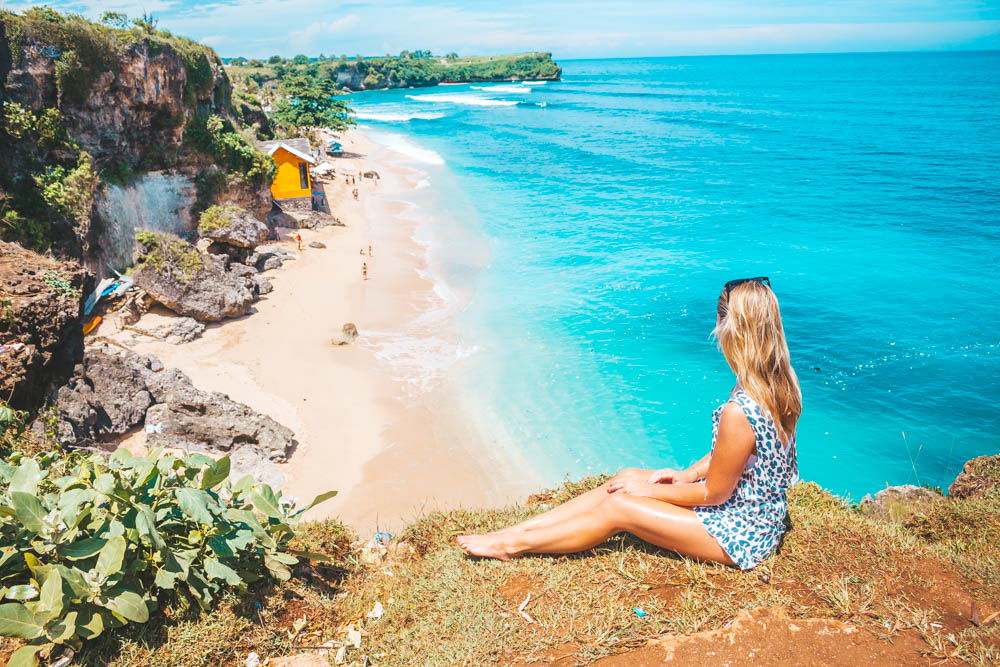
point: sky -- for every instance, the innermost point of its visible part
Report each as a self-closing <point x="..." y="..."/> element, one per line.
<point x="581" y="29"/>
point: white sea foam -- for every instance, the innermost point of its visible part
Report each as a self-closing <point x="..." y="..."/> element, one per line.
<point x="404" y="146"/>
<point x="533" y="83"/>
<point x="396" y="117"/>
<point x="460" y="98"/>
<point x="503" y="89"/>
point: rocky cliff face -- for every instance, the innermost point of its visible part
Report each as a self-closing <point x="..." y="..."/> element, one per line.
<point x="134" y="113"/>
<point x="40" y="335"/>
<point x="128" y="103"/>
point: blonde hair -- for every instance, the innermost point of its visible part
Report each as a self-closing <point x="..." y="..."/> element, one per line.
<point x="752" y="339"/>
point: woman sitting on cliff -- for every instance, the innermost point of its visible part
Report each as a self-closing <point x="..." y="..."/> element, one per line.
<point x="728" y="507"/>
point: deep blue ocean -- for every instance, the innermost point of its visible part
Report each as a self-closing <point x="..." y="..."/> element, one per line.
<point x="594" y="220"/>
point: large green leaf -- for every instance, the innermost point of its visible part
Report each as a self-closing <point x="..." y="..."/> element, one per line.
<point x="89" y="624"/>
<point x="26" y="656"/>
<point x="215" y="473"/>
<point x="74" y="579"/>
<point x="145" y="523"/>
<point x="64" y="629"/>
<point x="194" y="504"/>
<point x="26" y="478"/>
<point x="110" y="560"/>
<point x="85" y="548"/>
<point x="129" y="605"/>
<point x="196" y="461"/>
<point x="70" y="501"/>
<point x="264" y="502"/>
<point x="316" y="501"/>
<point x="22" y="592"/>
<point x="279" y="571"/>
<point x="243" y="485"/>
<point x="17" y="621"/>
<point x="106" y="484"/>
<point x="50" y="602"/>
<point x="216" y="570"/>
<point x="29" y="510"/>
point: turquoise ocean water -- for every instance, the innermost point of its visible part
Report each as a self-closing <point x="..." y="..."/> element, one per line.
<point x="588" y="225"/>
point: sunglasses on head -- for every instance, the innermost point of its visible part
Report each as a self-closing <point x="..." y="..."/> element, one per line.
<point x="763" y="280"/>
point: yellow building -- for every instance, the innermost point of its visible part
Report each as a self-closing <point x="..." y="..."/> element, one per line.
<point x="292" y="185"/>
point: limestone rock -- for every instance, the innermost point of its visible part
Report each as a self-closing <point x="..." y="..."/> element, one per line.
<point x="114" y="390"/>
<point x="978" y="478"/>
<point x="189" y="283"/>
<point x="316" y="244"/>
<point x="347" y="335"/>
<point x="269" y="262"/>
<point x="264" y="285"/>
<point x="178" y="331"/>
<point x="232" y="226"/>
<point x="896" y="503"/>
<point x="188" y="418"/>
<point x="106" y="396"/>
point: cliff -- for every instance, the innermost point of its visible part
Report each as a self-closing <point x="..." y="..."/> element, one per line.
<point x="107" y="129"/>
<point x="407" y="71"/>
<point x="40" y="336"/>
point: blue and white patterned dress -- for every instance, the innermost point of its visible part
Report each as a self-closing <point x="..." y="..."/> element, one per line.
<point x="750" y="524"/>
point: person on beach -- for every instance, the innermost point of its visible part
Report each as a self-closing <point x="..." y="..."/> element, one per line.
<point x="355" y="193"/>
<point x="729" y="507"/>
<point x="369" y="250"/>
<point x="364" y="270"/>
<point x="298" y="239"/>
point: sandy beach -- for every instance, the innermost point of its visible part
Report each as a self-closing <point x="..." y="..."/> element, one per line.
<point x="391" y="443"/>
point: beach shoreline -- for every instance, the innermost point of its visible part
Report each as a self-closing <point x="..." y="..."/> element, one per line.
<point x="388" y="435"/>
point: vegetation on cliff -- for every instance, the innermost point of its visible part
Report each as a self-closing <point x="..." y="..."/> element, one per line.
<point x="409" y="69"/>
<point x="59" y="73"/>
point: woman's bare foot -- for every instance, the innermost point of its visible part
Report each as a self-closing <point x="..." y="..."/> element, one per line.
<point x="486" y="546"/>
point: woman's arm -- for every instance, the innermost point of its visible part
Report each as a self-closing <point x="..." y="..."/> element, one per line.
<point x="734" y="443"/>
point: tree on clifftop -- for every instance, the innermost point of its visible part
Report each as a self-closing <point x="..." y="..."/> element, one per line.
<point x="311" y="103"/>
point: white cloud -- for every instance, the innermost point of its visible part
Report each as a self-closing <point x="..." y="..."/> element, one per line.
<point x="312" y="39"/>
<point x="581" y="28"/>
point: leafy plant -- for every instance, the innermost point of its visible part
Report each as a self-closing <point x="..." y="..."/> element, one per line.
<point x="71" y="192"/>
<point x="311" y="102"/>
<point x="88" y="543"/>
<point x="61" y="284"/>
<point x="216" y="217"/>
<point x="216" y="136"/>
<point x="168" y="255"/>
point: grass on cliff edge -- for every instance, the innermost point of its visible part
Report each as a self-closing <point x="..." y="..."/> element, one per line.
<point x="915" y="577"/>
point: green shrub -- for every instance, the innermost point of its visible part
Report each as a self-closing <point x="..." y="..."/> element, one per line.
<point x="215" y="217"/>
<point x="217" y="137"/>
<point x="88" y="543"/>
<point x="71" y="192"/>
<point x="168" y="255"/>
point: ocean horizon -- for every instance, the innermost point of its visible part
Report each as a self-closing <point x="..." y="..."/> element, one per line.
<point x="583" y="229"/>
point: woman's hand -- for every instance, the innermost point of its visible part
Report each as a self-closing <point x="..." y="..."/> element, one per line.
<point x="669" y="476"/>
<point x="632" y="487"/>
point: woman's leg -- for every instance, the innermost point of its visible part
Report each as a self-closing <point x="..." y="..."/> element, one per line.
<point x="584" y="502"/>
<point x="655" y="521"/>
